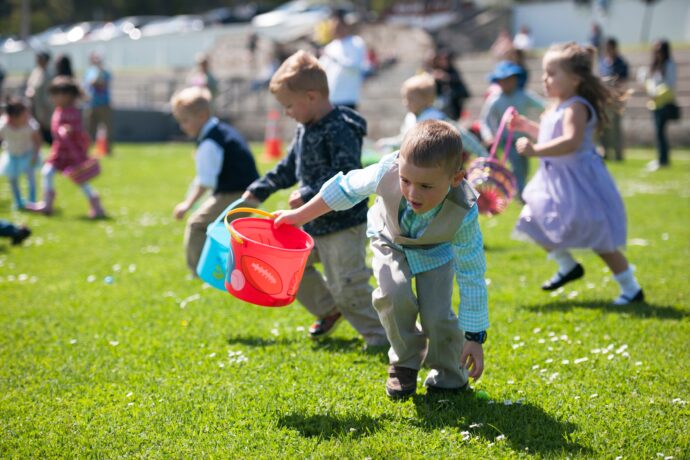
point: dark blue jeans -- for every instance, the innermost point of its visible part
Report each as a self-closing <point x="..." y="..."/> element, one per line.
<point x="661" y="119"/>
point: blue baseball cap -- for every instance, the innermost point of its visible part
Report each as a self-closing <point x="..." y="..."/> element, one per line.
<point x="505" y="69"/>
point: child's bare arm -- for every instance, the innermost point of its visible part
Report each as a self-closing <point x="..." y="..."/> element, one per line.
<point x="574" y="122"/>
<point x="37" y="141"/>
<point x="184" y="206"/>
<point x="525" y="125"/>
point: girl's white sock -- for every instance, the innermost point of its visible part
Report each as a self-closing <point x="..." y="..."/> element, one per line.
<point x="564" y="260"/>
<point x="626" y="280"/>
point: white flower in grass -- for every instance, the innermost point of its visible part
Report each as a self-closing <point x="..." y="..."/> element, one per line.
<point x="638" y="242"/>
<point x="565" y="361"/>
<point x="114" y="343"/>
<point x="542" y="341"/>
<point x="596" y="350"/>
<point x="117" y="267"/>
<point x="621" y="349"/>
<point x="90" y="279"/>
<point x="132" y="268"/>
<point x="548" y="361"/>
<point x="299" y="328"/>
<point x="610" y="357"/>
<point x="535" y="367"/>
<point x="212" y="355"/>
<point x="507" y="402"/>
<point x="516" y="338"/>
<point x="465" y="435"/>
<point x="129" y="395"/>
<point x="594" y="395"/>
<point x="536" y="330"/>
<point x="638" y="363"/>
<point x="581" y="360"/>
<point x="664" y="236"/>
<point x="590" y="285"/>
<point x="275" y="332"/>
<point x="679" y="401"/>
<point x="553" y="376"/>
<point x="73" y="341"/>
<point x="510" y="382"/>
<point x="573" y="294"/>
<point x="500" y="437"/>
<point x="476" y="425"/>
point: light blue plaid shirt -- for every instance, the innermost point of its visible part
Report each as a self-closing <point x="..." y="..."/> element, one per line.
<point x="344" y="191"/>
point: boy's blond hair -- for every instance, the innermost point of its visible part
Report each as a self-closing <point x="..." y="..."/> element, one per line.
<point x="299" y="73"/>
<point x="433" y="143"/>
<point x="194" y="100"/>
<point x="423" y="85"/>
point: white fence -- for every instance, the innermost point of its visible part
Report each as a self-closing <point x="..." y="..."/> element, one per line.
<point x="162" y="52"/>
<point x="630" y="21"/>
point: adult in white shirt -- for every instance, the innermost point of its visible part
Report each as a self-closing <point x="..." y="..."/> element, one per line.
<point x="345" y="60"/>
<point x="523" y="39"/>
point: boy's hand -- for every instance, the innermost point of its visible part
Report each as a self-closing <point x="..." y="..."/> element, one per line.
<point x="524" y="147"/>
<point x="249" y="196"/>
<point x="295" y="200"/>
<point x="472" y="359"/>
<point x="180" y="210"/>
<point x="290" y="217"/>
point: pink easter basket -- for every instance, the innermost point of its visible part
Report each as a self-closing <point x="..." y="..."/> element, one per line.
<point x="491" y="177"/>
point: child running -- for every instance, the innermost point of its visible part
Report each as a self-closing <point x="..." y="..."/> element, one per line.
<point x="424" y="231"/>
<point x="328" y="140"/>
<point x="69" y="148"/>
<point x="572" y="201"/>
<point x="21" y="136"/>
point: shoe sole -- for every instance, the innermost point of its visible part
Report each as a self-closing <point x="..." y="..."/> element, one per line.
<point x="400" y="394"/>
<point x="327" y="333"/>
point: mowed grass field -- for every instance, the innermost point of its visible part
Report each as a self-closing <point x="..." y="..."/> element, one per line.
<point x="109" y="349"/>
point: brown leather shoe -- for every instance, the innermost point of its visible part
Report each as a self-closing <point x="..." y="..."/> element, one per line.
<point x="402" y="382"/>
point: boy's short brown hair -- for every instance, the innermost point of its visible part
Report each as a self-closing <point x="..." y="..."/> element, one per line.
<point x="299" y="73"/>
<point x="194" y="100"/>
<point x="433" y="143"/>
<point x="423" y="85"/>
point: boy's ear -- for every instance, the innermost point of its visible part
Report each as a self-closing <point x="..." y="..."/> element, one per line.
<point x="457" y="178"/>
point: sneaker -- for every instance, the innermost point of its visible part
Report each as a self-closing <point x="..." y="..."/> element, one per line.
<point x="325" y="326"/>
<point x="559" y="279"/>
<point x="22" y="234"/>
<point x="625" y="300"/>
<point x="402" y="382"/>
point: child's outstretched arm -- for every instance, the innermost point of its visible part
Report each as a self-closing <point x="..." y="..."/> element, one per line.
<point x="523" y="124"/>
<point x="574" y="123"/>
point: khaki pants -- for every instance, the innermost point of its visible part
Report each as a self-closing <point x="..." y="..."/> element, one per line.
<point x="612" y="136"/>
<point x="438" y="344"/>
<point x="195" y="231"/>
<point x="96" y="116"/>
<point x="345" y="287"/>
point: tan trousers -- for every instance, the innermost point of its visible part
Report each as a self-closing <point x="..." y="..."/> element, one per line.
<point x="438" y="344"/>
<point x="195" y="230"/>
<point x="345" y="286"/>
<point x="100" y="115"/>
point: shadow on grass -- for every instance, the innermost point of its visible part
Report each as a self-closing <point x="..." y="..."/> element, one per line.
<point x="329" y="426"/>
<point x="260" y="341"/>
<point x="527" y="428"/>
<point x="641" y="309"/>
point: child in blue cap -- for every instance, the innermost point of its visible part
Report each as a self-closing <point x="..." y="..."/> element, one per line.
<point x="508" y="76"/>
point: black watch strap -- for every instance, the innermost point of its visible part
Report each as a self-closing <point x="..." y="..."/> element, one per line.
<point x="479" y="337"/>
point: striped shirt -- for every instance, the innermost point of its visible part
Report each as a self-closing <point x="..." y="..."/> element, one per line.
<point x="467" y="248"/>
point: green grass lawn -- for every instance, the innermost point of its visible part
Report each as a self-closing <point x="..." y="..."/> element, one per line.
<point x="157" y="365"/>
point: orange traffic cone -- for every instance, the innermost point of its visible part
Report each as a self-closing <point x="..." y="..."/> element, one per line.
<point x="272" y="143"/>
<point x="101" y="142"/>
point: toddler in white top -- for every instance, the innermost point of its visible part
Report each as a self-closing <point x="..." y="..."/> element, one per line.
<point x="21" y="145"/>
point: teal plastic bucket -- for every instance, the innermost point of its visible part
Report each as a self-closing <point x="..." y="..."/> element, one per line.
<point x="212" y="266"/>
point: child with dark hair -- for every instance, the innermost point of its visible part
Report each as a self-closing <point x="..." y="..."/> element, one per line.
<point x="21" y="138"/>
<point x="70" y="146"/>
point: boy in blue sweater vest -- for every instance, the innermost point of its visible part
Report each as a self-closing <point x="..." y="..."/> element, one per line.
<point x="224" y="165"/>
<point x="328" y="140"/>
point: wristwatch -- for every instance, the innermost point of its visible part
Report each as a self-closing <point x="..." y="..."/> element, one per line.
<point x="479" y="337"/>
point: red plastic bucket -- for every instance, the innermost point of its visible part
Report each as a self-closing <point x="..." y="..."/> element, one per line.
<point x="266" y="263"/>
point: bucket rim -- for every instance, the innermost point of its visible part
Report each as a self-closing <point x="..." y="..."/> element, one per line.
<point x="309" y="239"/>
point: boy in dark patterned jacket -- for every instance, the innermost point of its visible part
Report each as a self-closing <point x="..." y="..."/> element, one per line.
<point x="328" y="140"/>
